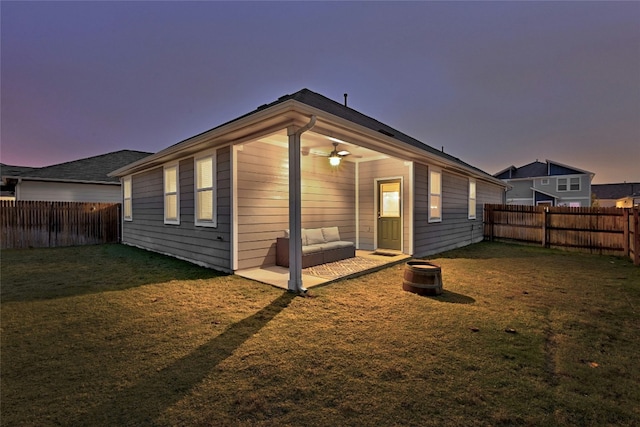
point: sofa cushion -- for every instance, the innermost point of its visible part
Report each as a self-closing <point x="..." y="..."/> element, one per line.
<point x="314" y="236"/>
<point x="331" y="234"/>
<point x="303" y="237"/>
<point x="311" y="249"/>
<point x="335" y="245"/>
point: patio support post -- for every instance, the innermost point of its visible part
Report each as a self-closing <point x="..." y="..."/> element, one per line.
<point x="295" y="208"/>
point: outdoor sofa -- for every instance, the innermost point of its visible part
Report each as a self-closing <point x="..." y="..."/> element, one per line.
<point x="319" y="246"/>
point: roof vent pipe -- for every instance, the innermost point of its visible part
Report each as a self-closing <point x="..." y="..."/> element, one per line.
<point x="345" y="99"/>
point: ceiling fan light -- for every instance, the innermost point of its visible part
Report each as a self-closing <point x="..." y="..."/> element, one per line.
<point x="334" y="160"/>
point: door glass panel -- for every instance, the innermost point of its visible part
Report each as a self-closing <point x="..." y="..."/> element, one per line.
<point x="390" y="197"/>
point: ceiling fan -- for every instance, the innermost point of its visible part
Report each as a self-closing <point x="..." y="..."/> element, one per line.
<point x="336" y="156"/>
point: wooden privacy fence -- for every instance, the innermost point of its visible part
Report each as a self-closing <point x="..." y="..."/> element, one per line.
<point x="613" y="231"/>
<point x="25" y="224"/>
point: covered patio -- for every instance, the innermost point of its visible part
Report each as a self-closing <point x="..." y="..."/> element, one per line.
<point x="323" y="274"/>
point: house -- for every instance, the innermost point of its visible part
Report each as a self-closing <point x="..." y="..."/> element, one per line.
<point x="84" y="180"/>
<point x="8" y="187"/>
<point x="222" y="198"/>
<point x="550" y="183"/>
<point x="621" y="195"/>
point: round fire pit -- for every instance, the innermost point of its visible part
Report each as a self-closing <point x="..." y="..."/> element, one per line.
<point x="422" y="278"/>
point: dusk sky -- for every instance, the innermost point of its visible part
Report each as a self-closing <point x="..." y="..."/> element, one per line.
<point x="495" y="83"/>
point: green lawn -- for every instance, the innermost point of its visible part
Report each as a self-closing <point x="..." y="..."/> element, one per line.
<point x="112" y="335"/>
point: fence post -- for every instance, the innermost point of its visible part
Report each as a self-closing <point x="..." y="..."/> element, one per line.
<point x="120" y="223"/>
<point x="489" y="211"/>
<point x="636" y="236"/>
<point x="626" y="237"/>
<point x="545" y="227"/>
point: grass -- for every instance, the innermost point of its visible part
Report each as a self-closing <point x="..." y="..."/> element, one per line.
<point x="112" y="335"/>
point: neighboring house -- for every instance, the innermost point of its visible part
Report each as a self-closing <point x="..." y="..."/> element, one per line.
<point x="622" y="195"/>
<point x="83" y="180"/>
<point x="550" y="183"/>
<point x="8" y="187"/>
<point x="222" y="198"/>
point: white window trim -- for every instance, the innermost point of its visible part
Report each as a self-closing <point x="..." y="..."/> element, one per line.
<point x="214" y="221"/>
<point x="438" y="218"/>
<point x="579" y="183"/>
<point x="177" y="193"/>
<point x="568" y="179"/>
<point x="472" y="200"/>
<point x="125" y="180"/>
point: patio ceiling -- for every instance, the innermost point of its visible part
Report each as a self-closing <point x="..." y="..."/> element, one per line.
<point x="316" y="144"/>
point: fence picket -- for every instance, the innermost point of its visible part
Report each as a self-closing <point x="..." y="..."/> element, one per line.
<point x="28" y="224"/>
<point x="595" y="230"/>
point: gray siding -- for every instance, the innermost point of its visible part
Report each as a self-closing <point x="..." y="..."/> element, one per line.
<point x="368" y="172"/>
<point x="583" y="196"/>
<point x="202" y="245"/>
<point x="522" y="190"/>
<point x="68" y="192"/>
<point x="262" y="202"/>
<point x="522" y="194"/>
<point x="456" y="229"/>
<point x="328" y="199"/>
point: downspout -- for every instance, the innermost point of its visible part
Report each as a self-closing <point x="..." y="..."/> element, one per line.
<point x="295" y="209"/>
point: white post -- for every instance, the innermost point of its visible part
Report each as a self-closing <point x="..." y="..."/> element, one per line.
<point x="295" y="207"/>
<point x="295" y="214"/>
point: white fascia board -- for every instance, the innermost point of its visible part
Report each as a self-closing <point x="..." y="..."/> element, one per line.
<point x="380" y="142"/>
<point x="296" y="113"/>
<point x="537" y="190"/>
<point x="569" y="167"/>
<point x="504" y="170"/>
<point x="272" y="118"/>
<point x="71" y="181"/>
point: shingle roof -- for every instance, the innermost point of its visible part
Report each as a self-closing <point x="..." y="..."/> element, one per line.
<point x="91" y="169"/>
<point x="531" y="170"/>
<point x="10" y="170"/>
<point x="537" y="169"/>
<point x="616" y="191"/>
<point x="321" y="102"/>
<point x="330" y="106"/>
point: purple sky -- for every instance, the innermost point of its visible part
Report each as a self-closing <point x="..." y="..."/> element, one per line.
<point x="495" y="83"/>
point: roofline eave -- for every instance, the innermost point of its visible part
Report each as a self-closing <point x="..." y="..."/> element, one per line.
<point x="545" y="193"/>
<point x="224" y="133"/>
<point x="571" y="167"/>
<point x="295" y="112"/>
<point x="69" y="181"/>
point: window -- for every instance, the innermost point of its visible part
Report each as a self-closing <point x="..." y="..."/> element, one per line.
<point x="562" y="184"/>
<point x="126" y="199"/>
<point x="435" y="196"/>
<point x="390" y="206"/>
<point x="205" y="191"/>
<point x="472" y="199"/>
<point x="574" y="184"/>
<point x="569" y="184"/>
<point x="171" y="199"/>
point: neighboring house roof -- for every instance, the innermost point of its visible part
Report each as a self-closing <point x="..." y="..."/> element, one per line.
<point x="546" y="193"/>
<point x="616" y="191"/>
<point x="527" y="171"/>
<point x="90" y="170"/>
<point x="538" y="169"/>
<point x="317" y="102"/>
<point x="10" y="170"/>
